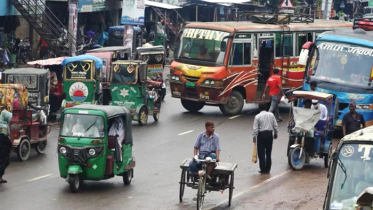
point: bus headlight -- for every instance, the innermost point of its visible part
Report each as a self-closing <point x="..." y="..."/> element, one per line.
<point x="175" y="77"/>
<point x="212" y="82"/>
<point x="364" y="106"/>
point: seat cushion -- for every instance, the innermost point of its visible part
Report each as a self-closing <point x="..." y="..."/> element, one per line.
<point x="111" y="142"/>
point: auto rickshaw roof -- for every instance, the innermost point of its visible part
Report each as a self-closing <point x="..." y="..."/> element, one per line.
<point x="151" y="49"/>
<point x="313" y="95"/>
<point x="97" y="60"/>
<point x="365" y="134"/>
<point x="27" y="71"/>
<point x="111" y="49"/>
<point x="110" y="111"/>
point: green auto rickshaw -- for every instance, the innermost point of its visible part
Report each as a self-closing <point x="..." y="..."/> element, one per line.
<point x="129" y="88"/>
<point x="95" y="143"/>
<point x="82" y="80"/>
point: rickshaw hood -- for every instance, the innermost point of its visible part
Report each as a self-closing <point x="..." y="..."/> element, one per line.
<point x="97" y="60"/>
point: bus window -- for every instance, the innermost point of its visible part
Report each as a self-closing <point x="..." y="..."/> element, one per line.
<point x="302" y="38"/>
<point x="286" y="48"/>
<point x="241" y="54"/>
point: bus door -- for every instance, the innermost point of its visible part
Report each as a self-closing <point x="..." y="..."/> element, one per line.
<point x="266" y="56"/>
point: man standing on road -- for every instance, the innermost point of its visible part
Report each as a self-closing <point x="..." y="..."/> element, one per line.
<point x="265" y="129"/>
<point x="352" y="121"/>
<point x="207" y="145"/>
<point x="313" y="85"/>
<point x="274" y="84"/>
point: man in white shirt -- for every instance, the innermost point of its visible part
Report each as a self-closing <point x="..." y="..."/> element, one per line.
<point x="324" y="111"/>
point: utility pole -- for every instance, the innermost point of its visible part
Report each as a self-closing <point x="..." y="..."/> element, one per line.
<point x="73" y="24"/>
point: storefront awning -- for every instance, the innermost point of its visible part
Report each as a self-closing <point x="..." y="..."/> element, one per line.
<point x="161" y="5"/>
<point x="47" y="62"/>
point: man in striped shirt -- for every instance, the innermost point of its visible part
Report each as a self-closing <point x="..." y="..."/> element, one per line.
<point x="264" y="126"/>
<point x="207" y="145"/>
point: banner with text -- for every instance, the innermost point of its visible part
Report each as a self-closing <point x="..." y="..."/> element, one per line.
<point x="133" y="12"/>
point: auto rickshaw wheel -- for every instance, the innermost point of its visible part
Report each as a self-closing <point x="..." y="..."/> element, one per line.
<point x="295" y="162"/>
<point x="127" y="177"/>
<point x="327" y="156"/>
<point x="192" y="106"/>
<point x="234" y="104"/>
<point x="143" y="116"/>
<point x="23" y="150"/>
<point x="156" y="116"/>
<point x="41" y="147"/>
<point x="74" y="182"/>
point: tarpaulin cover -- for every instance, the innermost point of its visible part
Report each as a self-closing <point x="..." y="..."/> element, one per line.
<point x="305" y="119"/>
<point x="47" y="62"/>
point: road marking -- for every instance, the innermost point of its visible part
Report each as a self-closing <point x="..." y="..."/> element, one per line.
<point x="231" y="118"/>
<point x="40" y="177"/>
<point x="254" y="187"/>
<point x="180" y="134"/>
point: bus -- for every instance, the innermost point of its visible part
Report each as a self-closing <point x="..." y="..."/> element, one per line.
<point x="226" y="64"/>
<point x="341" y="62"/>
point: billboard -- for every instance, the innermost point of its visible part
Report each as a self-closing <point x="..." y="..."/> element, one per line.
<point x="133" y="12"/>
<point x="91" y="5"/>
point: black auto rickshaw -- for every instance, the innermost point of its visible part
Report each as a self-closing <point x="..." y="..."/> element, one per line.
<point x="35" y="80"/>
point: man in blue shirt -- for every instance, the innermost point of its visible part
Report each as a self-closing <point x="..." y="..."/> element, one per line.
<point x="207" y="145"/>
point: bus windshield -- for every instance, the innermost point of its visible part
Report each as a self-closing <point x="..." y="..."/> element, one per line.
<point x="353" y="174"/>
<point x="343" y="64"/>
<point x="203" y="45"/>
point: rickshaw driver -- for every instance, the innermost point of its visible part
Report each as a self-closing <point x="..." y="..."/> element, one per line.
<point x="78" y="127"/>
<point x="207" y="143"/>
<point x="324" y="111"/>
<point x="203" y="53"/>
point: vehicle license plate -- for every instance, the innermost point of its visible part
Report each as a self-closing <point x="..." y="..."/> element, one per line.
<point x="190" y="84"/>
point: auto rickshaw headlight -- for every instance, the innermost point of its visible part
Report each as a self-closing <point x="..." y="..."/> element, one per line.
<point x="63" y="150"/>
<point x="92" y="152"/>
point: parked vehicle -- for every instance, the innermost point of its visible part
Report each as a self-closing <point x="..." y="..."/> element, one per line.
<point x="95" y="143"/>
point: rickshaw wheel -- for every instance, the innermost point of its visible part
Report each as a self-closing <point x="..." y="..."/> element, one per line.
<point x="182" y="185"/>
<point x="74" y="181"/>
<point x="127" y="177"/>
<point x="41" y="147"/>
<point x="143" y="116"/>
<point x="231" y="187"/>
<point x="156" y="116"/>
<point x="201" y="192"/>
<point x="294" y="162"/>
<point x="23" y="150"/>
<point x="327" y="157"/>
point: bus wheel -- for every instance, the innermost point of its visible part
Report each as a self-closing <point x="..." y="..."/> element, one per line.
<point x="192" y="106"/>
<point x="234" y="104"/>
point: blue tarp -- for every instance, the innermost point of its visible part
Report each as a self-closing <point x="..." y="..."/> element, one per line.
<point x="97" y="60"/>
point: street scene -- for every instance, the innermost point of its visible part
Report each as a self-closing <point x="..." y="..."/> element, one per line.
<point x="195" y="104"/>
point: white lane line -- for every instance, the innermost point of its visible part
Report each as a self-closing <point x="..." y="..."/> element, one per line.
<point x="180" y="134"/>
<point x="40" y="177"/>
<point x="231" y="118"/>
<point x="253" y="187"/>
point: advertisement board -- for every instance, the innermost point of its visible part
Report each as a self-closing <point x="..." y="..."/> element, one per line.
<point x="133" y="12"/>
<point x="91" y="5"/>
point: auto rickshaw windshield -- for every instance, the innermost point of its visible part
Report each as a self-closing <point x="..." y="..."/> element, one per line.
<point x="79" y="125"/>
<point x="124" y="73"/>
<point x="353" y="174"/>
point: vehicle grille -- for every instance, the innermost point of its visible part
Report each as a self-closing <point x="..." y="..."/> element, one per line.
<point x="77" y="156"/>
<point x="191" y="79"/>
<point x="191" y="92"/>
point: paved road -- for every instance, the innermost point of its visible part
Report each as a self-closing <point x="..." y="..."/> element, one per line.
<point x="159" y="148"/>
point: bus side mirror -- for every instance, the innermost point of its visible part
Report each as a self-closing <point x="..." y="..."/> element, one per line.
<point x="303" y="57"/>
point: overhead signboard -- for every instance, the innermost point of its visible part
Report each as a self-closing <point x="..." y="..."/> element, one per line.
<point x="288" y="4"/>
<point x="91" y="5"/>
<point x="133" y="12"/>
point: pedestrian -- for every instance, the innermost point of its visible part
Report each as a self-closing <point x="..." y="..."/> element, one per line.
<point x="352" y="121"/>
<point x="274" y="85"/>
<point x="5" y="143"/>
<point x="313" y="85"/>
<point x="265" y="130"/>
<point x="207" y="145"/>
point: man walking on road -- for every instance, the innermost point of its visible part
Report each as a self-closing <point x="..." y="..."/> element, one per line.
<point x="352" y="121"/>
<point x="264" y="126"/>
<point x="274" y="84"/>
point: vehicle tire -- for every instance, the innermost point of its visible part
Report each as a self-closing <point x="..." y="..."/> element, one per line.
<point x="201" y="193"/>
<point x="156" y="116"/>
<point x="327" y="156"/>
<point x="289" y="144"/>
<point x="234" y="104"/>
<point x="192" y="106"/>
<point x="127" y="177"/>
<point x="294" y="162"/>
<point x="24" y="150"/>
<point x="182" y="185"/>
<point x="74" y="182"/>
<point x="231" y="188"/>
<point x="41" y="147"/>
<point x="143" y="116"/>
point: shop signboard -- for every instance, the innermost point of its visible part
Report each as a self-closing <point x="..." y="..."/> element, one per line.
<point x="91" y="5"/>
<point x="133" y="12"/>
